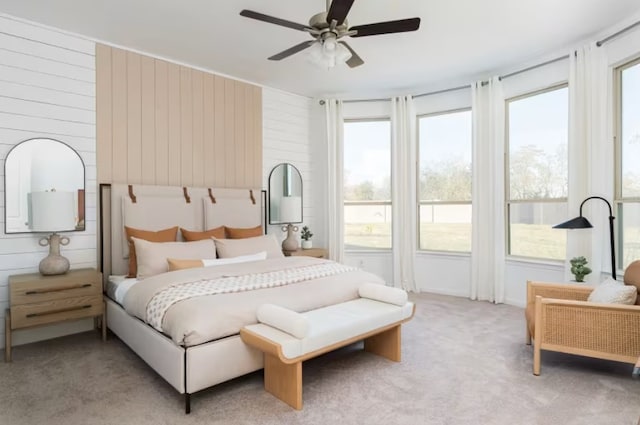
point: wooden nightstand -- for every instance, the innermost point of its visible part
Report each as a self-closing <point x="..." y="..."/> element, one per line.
<point x="36" y="300"/>
<point x="311" y="252"/>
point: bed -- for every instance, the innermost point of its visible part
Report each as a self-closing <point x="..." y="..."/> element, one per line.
<point x="194" y="343"/>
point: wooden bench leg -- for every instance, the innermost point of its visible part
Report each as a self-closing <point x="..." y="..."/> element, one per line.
<point x="283" y="380"/>
<point x="386" y="344"/>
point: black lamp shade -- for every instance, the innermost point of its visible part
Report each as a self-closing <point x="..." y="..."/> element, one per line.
<point x="574" y="223"/>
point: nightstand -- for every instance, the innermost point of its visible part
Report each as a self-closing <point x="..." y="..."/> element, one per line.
<point x="311" y="252"/>
<point x="37" y="300"/>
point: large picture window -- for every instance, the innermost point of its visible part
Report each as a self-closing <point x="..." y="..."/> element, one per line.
<point x="627" y="154"/>
<point x="537" y="173"/>
<point x="445" y="150"/>
<point x="367" y="184"/>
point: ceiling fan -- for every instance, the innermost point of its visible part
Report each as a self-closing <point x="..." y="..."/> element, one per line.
<point x="328" y="27"/>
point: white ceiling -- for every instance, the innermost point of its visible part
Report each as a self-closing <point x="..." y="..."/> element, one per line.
<point x="458" y="41"/>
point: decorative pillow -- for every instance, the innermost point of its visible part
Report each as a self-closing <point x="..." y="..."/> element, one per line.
<point x="166" y="235"/>
<point x="177" y="264"/>
<point x="152" y="256"/>
<point x="243" y="232"/>
<point x="612" y="291"/>
<point x="191" y="236"/>
<point x="227" y="248"/>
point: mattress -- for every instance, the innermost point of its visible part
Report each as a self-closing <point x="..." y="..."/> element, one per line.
<point x="118" y="286"/>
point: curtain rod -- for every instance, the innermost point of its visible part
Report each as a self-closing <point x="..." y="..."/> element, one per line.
<point x="502" y="77"/>
<point x="615" y="34"/>
<point x="322" y="102"/>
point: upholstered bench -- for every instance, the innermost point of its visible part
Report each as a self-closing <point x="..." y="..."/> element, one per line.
<point x="288" y="338"/>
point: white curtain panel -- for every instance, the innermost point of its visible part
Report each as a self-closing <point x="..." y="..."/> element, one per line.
<point x="403" y="194"/>
<point x="588" y="153"/>
<point x="488" y="237"/>
<point x="335" y="171"/>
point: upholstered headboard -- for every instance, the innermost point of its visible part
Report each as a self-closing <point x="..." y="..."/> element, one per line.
<point x="161" y="207"/>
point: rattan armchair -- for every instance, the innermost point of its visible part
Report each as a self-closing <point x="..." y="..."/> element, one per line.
<point x="559" y="318"/>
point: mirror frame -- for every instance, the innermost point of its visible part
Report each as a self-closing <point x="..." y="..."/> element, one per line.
<point x="84" y="184"/>
<point x="271" y="221"/>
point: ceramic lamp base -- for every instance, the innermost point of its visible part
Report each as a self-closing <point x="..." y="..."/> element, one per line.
<point x="290" y="243"/>
<point x="54" y="263"/>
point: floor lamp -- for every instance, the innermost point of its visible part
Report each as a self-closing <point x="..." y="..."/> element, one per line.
<point x="582" y="223"/>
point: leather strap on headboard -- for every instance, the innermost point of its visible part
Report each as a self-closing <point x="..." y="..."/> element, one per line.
<point x="186" y="195"/>
<point x="131" y="195"/>
<point x="253" y="200"/>
<point x="213" y="200"/>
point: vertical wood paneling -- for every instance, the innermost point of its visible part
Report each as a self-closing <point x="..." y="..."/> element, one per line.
<point x="104" y="127"/>
<point x="198" y="111"/>
<point x="174" y="124"/>
<point x="148" y="119"/>
<point x="230" y="131"/>
<point x="239" y="123"/>
<point x="119" y="84"/>
<point x="208" y="130"/>
<point x="134" y="119"/>
<point x="166" y="124"/>
<point x="186" y="127"/>
<point x="219" y="133"/>
<point x="161" y="124"/>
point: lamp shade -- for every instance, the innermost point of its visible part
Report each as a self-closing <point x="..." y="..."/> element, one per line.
<point x="52" y="211"/>
<point x="575" y="223"/>
<point x="291" y="209"/>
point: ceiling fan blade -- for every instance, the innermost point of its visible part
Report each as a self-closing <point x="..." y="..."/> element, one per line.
<point x="389" y="27"/>
<point x="339" y="10"/>
<point x="354" y="60"/>
<point x="273" y="20"/>
<point x="291" y="50"/>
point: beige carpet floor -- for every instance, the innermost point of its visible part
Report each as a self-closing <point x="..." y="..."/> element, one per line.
<point x="464" y="362"/>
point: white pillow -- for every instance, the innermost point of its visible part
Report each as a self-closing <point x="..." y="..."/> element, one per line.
<point x="612" y="291"/>
<point x="233" y="260"/>
<point x="152" y="256"/>
<point x="227" y="248"/>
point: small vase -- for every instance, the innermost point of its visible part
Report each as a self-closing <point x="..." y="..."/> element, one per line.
<point x="307" y="244"/>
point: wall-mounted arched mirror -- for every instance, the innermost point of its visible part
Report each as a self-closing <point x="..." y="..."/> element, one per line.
<point x="43" y="188"/>
<point x="285" y="195"/>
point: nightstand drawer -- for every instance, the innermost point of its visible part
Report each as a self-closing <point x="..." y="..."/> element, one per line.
<point x="35" y="288"/>
<point x="41" y="313"/>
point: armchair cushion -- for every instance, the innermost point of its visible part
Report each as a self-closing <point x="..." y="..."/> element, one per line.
<point x="612" y="291"/>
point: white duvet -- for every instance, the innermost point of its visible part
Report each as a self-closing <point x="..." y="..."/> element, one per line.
<point x="197" y="320"/>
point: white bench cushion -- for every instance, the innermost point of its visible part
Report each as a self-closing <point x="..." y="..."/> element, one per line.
<point x="336" y="323"/>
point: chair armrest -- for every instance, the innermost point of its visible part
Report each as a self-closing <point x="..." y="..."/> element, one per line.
<point x="563" y="291"/>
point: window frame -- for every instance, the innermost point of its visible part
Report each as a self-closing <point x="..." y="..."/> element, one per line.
<point x="346" y="203"/>
<point x="419" y="202"/>
<point x="507" y="175"/>
<point x="618" y="199"/>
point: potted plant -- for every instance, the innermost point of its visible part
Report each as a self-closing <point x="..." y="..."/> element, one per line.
<point x="306" y="235"/>
<point x="579" y="268"/>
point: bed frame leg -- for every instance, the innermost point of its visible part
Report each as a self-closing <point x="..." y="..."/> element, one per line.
<point x="187" y="403"/>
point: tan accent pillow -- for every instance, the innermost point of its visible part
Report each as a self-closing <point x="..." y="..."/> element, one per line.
<point x="152" y="256"/>
<point x="177" y="264"/>
<point x="166" y="235"/>
<point x="227" y="248"/>
<point x="243" y="232"/>
<point x="632" y="277"/>
<point x="191" y="236"/>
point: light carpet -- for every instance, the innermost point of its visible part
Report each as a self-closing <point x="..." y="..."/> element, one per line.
<point x="464" y="362"/>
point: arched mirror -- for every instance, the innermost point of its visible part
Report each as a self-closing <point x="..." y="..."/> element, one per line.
<point x="285" y="195"/>
<point x="43" y="188"/>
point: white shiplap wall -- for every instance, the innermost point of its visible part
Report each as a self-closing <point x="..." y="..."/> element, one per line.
<point x="47" y="89"/>
<point x="286" y="129"/>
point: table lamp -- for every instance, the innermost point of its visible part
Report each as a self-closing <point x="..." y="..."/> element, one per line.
<point x="290" y="212"/>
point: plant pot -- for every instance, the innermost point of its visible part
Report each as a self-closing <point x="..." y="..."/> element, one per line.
<point x="308" y="244"/>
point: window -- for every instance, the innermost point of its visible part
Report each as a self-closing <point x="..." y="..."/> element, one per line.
<point x="444" y="146"/>
<point x="367" y="184"/>
<point x="627" y="154"/>
<point x="537" y="177"/>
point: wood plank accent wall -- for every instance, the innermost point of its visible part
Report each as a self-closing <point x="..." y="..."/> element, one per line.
<point x="166" y="124"/>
